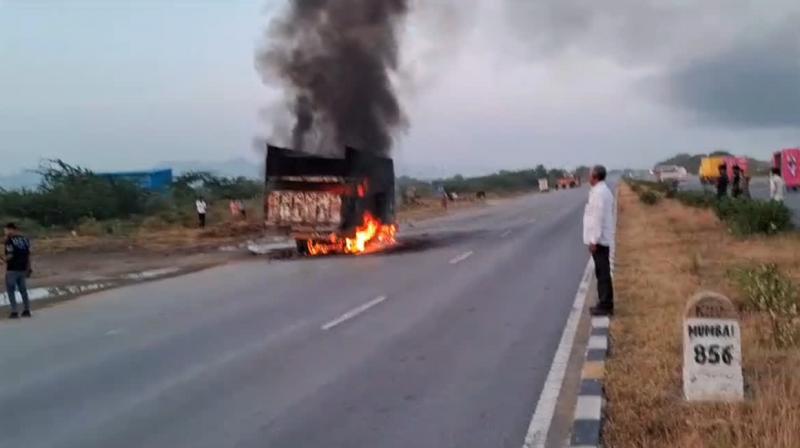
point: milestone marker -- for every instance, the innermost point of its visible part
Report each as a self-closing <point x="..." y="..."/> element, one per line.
<point x="712" y="350"/>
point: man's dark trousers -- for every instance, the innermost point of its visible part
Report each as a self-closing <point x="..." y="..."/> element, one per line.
<point x="602" y="269"/>
<point x="15" y="281"/>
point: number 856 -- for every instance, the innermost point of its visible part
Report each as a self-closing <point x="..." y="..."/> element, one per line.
<point x="713" y="355"/>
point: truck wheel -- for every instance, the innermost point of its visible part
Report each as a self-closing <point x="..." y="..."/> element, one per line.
<point x="302" y="247"/>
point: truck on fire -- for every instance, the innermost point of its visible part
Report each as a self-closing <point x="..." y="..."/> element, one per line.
<point x="330" y="204"/>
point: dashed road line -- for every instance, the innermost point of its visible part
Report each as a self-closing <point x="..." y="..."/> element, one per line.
<point x="505" y="234"/>
<point x="353" y="313"/>
<point x="461" y="257"/>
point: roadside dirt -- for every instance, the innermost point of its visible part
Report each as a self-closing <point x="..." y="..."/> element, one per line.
<point x="77" y="259"/>
<point x="666" y="253"/>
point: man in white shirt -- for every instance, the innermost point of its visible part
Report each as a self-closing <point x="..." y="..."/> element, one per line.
<point x="202" y="207"/>
<point x="598" y="235"/>
<point x="777" y="187"/>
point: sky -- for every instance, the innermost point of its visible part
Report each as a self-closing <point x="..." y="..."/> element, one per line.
<point x="485" y="84"/>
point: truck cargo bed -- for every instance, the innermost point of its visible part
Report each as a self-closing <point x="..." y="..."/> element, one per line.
<point x="314" y="197"/>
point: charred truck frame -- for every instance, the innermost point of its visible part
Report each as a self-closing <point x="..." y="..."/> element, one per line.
<point x="326" y="199"/>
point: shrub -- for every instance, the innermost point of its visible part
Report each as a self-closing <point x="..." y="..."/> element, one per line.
<point x="747" y="217"/>
<point x="90" y="227"/>
<point x="695" y="198"/>
<point x="68" y="195"/>
<point x="769" y="291"/>
<point x="155" y="223"/>
<point x="648" y="197"/>
<point x="93" y="227"/>
<point x="28" y="226"/>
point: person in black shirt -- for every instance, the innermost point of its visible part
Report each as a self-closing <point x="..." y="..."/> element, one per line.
<point x="722" y="182"/>
<point x="736" y="189"/>
<point x="18" y="268"/>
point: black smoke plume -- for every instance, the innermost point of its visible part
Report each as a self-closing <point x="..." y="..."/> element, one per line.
<point x="334" y="60"/>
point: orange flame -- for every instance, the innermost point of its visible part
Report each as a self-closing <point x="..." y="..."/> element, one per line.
<point x="371" y="236"/>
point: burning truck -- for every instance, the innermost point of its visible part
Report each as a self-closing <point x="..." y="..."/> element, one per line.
<point x="331" y="205"/>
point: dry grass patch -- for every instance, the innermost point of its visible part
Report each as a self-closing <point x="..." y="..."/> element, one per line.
<point x="666" y="253"/>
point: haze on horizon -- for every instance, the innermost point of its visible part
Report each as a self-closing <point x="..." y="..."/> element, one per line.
<point x="486" y="84"/>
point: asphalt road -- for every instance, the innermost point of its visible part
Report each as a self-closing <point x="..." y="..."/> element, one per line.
<point x="446" y="343"/>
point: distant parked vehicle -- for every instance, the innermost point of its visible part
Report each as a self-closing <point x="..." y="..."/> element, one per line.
<point x="741" y="162"/>
<point x="786" y="161"/>
<point x="568" y="181"/>
<point x="544" y="185"/>
<point x="709" y="169"/>
<point x="670" y="173"/>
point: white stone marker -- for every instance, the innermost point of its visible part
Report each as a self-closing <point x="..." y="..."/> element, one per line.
<point x="712" y="350"/>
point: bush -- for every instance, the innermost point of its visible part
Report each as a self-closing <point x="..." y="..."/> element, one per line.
<point x="155" y="223"/>
<point x="28" y="226"/>
<point x="93" y="227"/>
<point x="90" y="227"/>
<point x="648" y="197"/>
<point x="769" y="291"/>
<point x="68" y="195"/>
<point x="639" y="184"/>
<point x="747" y="216"/>
<point x="695" y="198"/>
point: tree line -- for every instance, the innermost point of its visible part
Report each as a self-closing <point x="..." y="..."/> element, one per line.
<point x="70" y="194"/>
<point x="502" y="181"/>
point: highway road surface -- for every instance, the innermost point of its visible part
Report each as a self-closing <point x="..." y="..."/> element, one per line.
<point x="446" y="343"/>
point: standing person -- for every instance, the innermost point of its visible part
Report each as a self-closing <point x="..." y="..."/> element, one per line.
<point x="445" y="198"/>
<point x="202" y="207"/>
<point x="598" y="234"/>
<point x="777" y="187"/>
<point x="722" y="182"/>
<point x="242" y="208"/>
<point x="736" y="188"/>
<point x="18" y="268"/>
<point x="746" y="189"/>
<point x="233" y="205"/>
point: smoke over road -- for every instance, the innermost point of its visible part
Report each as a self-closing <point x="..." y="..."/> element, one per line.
<point x="334" y="60"/>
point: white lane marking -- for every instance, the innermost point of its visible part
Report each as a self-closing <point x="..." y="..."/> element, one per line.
<point x="546" y="407"/>
<point x="505" y="234"/>
<point x="461" y="257"/>
<point x="588" y="407"/>
<point x="353" y="313"/>
<point x="114" y="332"/>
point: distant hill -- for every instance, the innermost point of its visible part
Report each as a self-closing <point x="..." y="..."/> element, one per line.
<point x="692" y="162"/>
